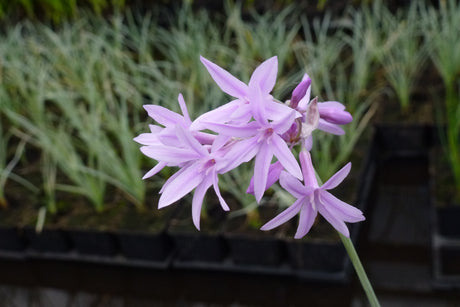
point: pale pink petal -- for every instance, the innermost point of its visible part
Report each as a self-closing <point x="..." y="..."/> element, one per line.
<point x="285" y="156"/>
<point x="204" y="138"/>
<point x="168" y="137"/>
<point x="197" y="201"/>
<point x="169" y="154"/>
<point x="241" y="152"/>
<point x="215" y="184"/>
<point x="334" y="220"/>
<point x="181" y="185"/>
<point x="261" y="166"/>
<point x="294" y="186"/>
<point x="309" y="175"/>
<point x="155" y="129"/>
<point x="330" y="128"/>
<point x="183" y="108"/>
<point x="306" y="99"/>
<point x="306" y="219"/>
<point x="227" y="83"/>
<point x="242" y="115"/>
<point x="147" y="139"/>
<point x="284" y="216"/>
<point x="246" y="130"/>
<point x="163" y="116"/>
<point x="264" y="76"/>
<point x="308" y="143"/>
<point x="341" y="209"/>
<point x="334" y="115"/>
<point x="283" y="125"/>
<point x="277" y="111"/>
<point x="257" y="103"/>
<point x="273" y="175"/>
<point x="174" y="176"/>
<point x="219" y="142"/>
<point x="337" y="178"/>
<point x="187" y="139"/>
<point x="331" y="104"/>
<point x="299" y="92"/>
<point x="219" y="115"/>
<point x="155" y="170"/>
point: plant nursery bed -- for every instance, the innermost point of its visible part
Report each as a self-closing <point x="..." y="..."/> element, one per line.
<point x="446" y="217"/>
<point x="177" y="245"/>
<point x="397" y="235"/>
<point x="399" y="210"/>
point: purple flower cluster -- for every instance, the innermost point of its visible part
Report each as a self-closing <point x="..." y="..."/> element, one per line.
<point x="253" y="125"/>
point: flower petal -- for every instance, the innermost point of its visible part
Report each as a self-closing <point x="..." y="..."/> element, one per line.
<point x="308" y="143"/>
<point x="147" y="139"/>
<point x="294" y="186"/>
<point x="337" y="178"/>
<point x="330" y="128"/>
<point x="334" y="113"/>
<point x="197" y="201"/>
<point x="261" y="166"/>
<point x="226" y="81"/>
<point x="334" y="220"/>
<point x="241" y="152"/>
<point x="219" y="115"/>
<point x="306" y="98"/>
<point x="309" y="175"/>
<point x="257" y="103"/>
<point x="155" y="170"/>
<point x="163" y="116"/>
<point x="187" y="139"/>
<point x="242" y="131"/>
<point x="181" y="185"/>
<point x="331" y="104"/>
<point x="169" y="154"/>
<point x="341" y="209"/>
<point x="264" y="76"/>
<point x="273" y="175"/>
<point x="278" y="112"/>
<point x="183" y="108"/>
<point x="219" y="196"/>
<point x="306" y="220"/>
<point x="282" y="125"/>
<point x="284" y="216"/>
<point x="285" y="156"/>
<point x="299" y="92"/>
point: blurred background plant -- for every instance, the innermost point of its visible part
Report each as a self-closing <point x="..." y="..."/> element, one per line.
<point x="55" y="10"/>
<point x="442" y="39"/>
<point x="72" y="85"/>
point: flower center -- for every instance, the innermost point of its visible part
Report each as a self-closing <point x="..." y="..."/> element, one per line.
<point x="208" y="165"/>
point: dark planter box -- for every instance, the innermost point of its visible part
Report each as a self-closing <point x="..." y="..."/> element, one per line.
<point x="48" y="240"/>
<point x="93" y="242"/>
<point x="445" y="223"/>
<point x="403" y="139"/>
<point x="145" y="246"/>
<point x="197" y="247"/>
<point x="446" y="247"/>
<point x="329" y="259"/>
<point x="257" y="250"/>
<point x="193" y="248"/>
<point x="11" y="239"/>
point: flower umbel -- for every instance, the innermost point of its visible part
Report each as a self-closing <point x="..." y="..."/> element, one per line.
<point x="253" y="126"/>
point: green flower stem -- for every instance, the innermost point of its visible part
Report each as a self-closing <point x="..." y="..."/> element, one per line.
<point x="360" y="271"/>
